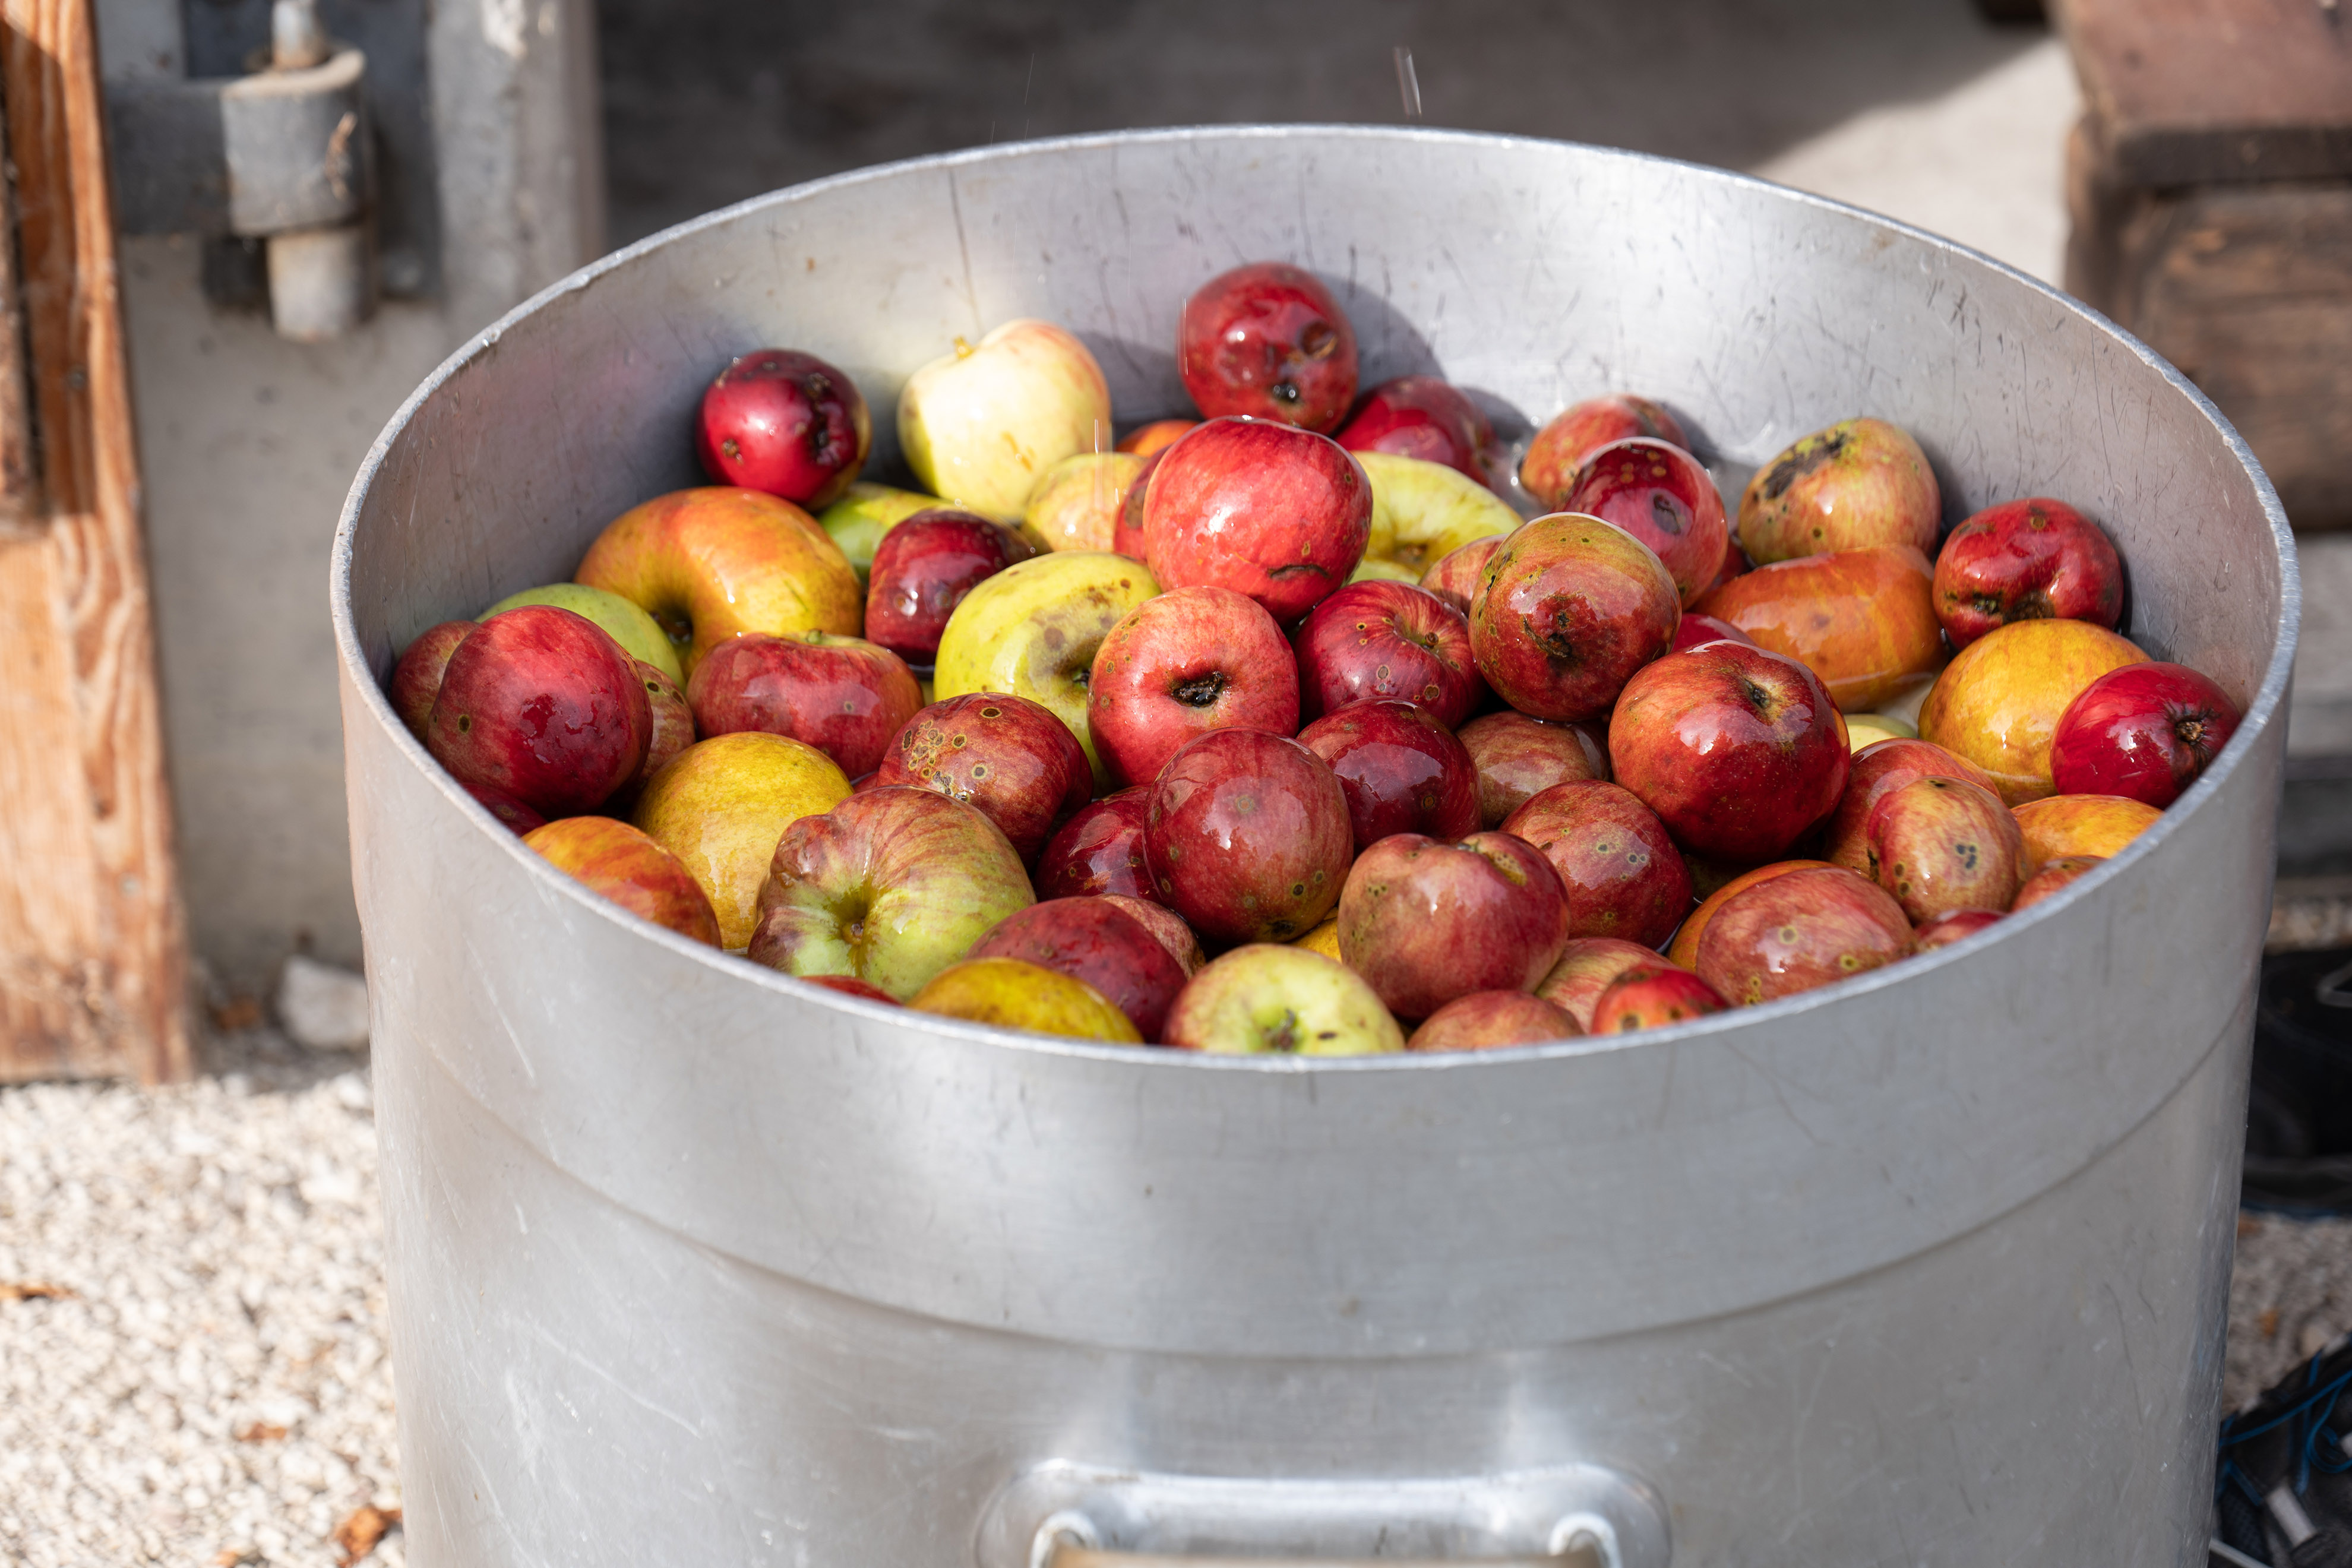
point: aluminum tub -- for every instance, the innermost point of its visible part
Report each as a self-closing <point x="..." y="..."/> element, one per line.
<point x="692" y="1263"/>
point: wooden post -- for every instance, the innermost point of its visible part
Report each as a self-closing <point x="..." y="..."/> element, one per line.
<point x="93" y="942"/>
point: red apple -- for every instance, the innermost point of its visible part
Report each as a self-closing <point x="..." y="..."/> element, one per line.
<point x="1881" y="767"/>
<point x="850" y="985"/>
<point x="670" y="731"/>
<point x="1269" y="341"/>
<point x="417" y="678"/>
<point x="1587" y="967"/>
<point x="1621" y="873"/>
<point x="2026" y="560"/>
<point x="1517" y="758"/>
<point x="1276" y="513"/>
<point x="1794" y="932"/>
<point x="617" y="861"/>
<point x="1403" y="769"/>
<point x="2054" y="877"/>
<point x="842" y="695"/>
<point x="1425" y="922"/>
<point x="1859" y="483"/>
<point x="1095" y="940"/>
<point x="544" y="705"/>
<point x="1555" y="460"/>
<point x="1387" y="639"/>
<point x="1695" y="629"/>
<point x="2146" y="732"/>
<point x="784" y="422"/>
<point x="1425" y="417"/>
<point x="1007" y="756"/>
<point x="1247" y="837"/>
<point x="1181" y="664"/>
<point x="512" y="815"/>
<point x="1658" y="493"/>
<point x="923" y="568"/>
<point x="1651" y="996"/>
<point x="1127" y="538"/>
<point x="1099" y="849"/>
<point x="1485" y="1020"/>
<point x="1948" y="929"/>
<point x="1454" y="576"/>
<point x="1167" y="925"/>
<point x="1570" y="607"/>
<point x="1739" y="750"/>
<point x="1940" y="845"/>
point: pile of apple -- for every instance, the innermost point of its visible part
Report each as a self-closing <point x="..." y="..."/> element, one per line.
<point x="1026" y="746"/>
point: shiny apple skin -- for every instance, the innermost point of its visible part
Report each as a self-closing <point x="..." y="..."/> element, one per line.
<point x="1008" y="757"/>
<point x="1168" y="926"/>
<point x="1877" y="768"/>
<point x="1863" y="620"/>
<point x="784" y="422"/>
<point x="1621" y="873"/>
<point x="618" y="862"/>
<point x="1651" y="996"/>
<point x="1940" y="845"/>
<point x="1269" y="341"/>
<point x="1099" y="850"/>
<point x="670" y="731"/>
<point x="1425" y="922"/>
<point x="1403" y="769"/>
<point x="1127" y="539"/>
<point x="1555" y="460"/>
<point x="1454" y="576"/>
<point x="2036" y="559"/>
<point x="1181" y="664"/>
<point x="1570" y="607"/>
<point x="1587" y="967"/>
<point x="1997" y="703"/>
<point x="1279" y="514"/>
<point x="2146" y="732"/>
<point x="1426" y="417"/>
<point x="1807" y="928"/>
<point x="1095" y="940"/>
<point x="544" y="705"/>
<point x="842" y="695"/>
<point x="923" y="568"/>
<point x="1387" y="639"/>
<point x="1149" y="440"/>
<point x="2055" y="876"/>
<point x="1955" y="926"/>
<point x="1739" y="750"/>
<point x="1855" y="484"/>
<point x="1486" y="1020"/>
<point x="1658" y="493"/>
<point x="1517" y="758"/>
<point x="1247" y="837"/>
<point x="1695" y="629"/>
<point x="417" y="678"/>
<point x="1682" y="952"/>
<point x="2063" y="825"/>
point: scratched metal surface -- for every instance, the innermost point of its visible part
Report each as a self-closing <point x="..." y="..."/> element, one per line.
<point x="1926" y="1267"/>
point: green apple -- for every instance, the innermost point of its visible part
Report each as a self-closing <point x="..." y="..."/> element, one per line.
<point x="639" y="635"/>
<point x="1423" y="511"/>
<point x="1267" y="998"/>
<point x="1031" y="631"/>
<point x="982" y="424"/>
<point x="1373" y="569"/>
<point x="1869" y="729"/>
<point x="863" y="514"/>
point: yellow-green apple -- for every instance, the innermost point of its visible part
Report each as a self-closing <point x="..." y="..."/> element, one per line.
<point x="1517" y="758"/>
<point x="1738" y="749"/>
<point x="1855" y="484"/>
<point x="720" y="806"/>
<point x="1387" y="639"/>
<point x="639" y="635"/>
<point x="2028" y="560"/>
<point x="1099" y="849"/>
<point x="1247" y="837"/>
<point x="1278" y="513"/>
<point x="1946" y="929"/>
<point x="544" y="705"/>
<point x="617" y="861"/>
<point x="921" y="572"/>
<point x="1266" y="999"/>
<point x="1877" y="768"/>
<point x="1424" y="922"/>
<point x="1570" y="607"/>
<point x="1098" y="941"/>
<point x="416" y="677"/>
<point x="1006" y="755"/>
<point x="714" y="564"/>
<point x="1401" y="769"/>
<point x="784" y="422"/>
<point x="1555" y="460"/>
<point x="1192" y="660"/>
<point x="1372" y="570"/>
<point x="1168" y="926"/>
<point x="2147" y="731"/>
<point x="1940" y="845"/>
<point x="1485" y="1020"/>
<point x="2055" y="877"/>
<point x="512" y="815"/>
<point x="1157" y="437"/>
<point x="1658" y="493"/>
<point x="1456" y="575"/>
<point x="1651" y="996"/>
<point x="865" y="514"/>
<point x="1861" y="619"/>
<point x="842" y="695"/>
<point x="1032" y="630"/>
<point x="1868" y="729"/>
<point x="1269" y="341"/>
<point x="1013" y="995"/>
<point x="892" y="886"/>
<point x="1422" y="512"/>
<point x="1798" y="931"/>
<point x="1695" y="628"/>
<point x="1426" y="419"/>
<point x="1997" y="703"/>
<point x="2062" y="825"/>
<point x="1584" y="971"/>
<point x="1078" y="501"/>
<point x="1683" y="952"/>
<point x="1621" y="874"/>
<point x="981" y="424"/>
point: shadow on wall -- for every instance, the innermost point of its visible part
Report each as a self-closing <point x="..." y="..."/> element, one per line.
<point x="708" y="101"/>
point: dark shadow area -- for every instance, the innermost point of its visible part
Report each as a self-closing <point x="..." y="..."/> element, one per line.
<point x="708" y="101"/>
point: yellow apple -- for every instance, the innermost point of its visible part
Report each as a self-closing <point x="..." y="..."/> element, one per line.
<point x="1013" y="993"/>
<point x="1423" y="511"/>
<point x="1076" y="506"/>
<point x="639" y="635"/>
<point x="1372" y="568"/>
<point x="720" y="806"/>
<point x="1997" y="703"/>
<point x="1868" y="729"/>
<point x="2094" y="825"/>
<point x="1323" y="939"/>
<point x="982" y="424"/>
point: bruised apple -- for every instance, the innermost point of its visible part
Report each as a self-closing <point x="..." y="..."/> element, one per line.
<point x="1940" y="845"/>
<point x="1621" y="873"/>
<point x="1387" y="639"/>
<point x="1683" y="952"/>
<point x="1569" y="608"/>
<point x="1247" y="837"/>
<point x="1269" y="341"/>
<point x="1858" y="483"/>
<point x="785" y="422"/>
<point x="1008" y="757"/>
<point x="1402" y="770"/>
<point x="2036" y="559"/>
<point x="1877" y="768"/>
<point x="1658" y="493"/>
<point x="1801" y="931"/>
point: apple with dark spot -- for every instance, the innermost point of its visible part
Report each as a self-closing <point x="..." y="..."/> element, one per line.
<point x="1387" y="639"/>
<point x="1247" y="837"/>
<point x="1404" y="771"/>
<point x="1006" y="755"/>
<point x="1425" y="922"/>
<point x="1621" y="873"/>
